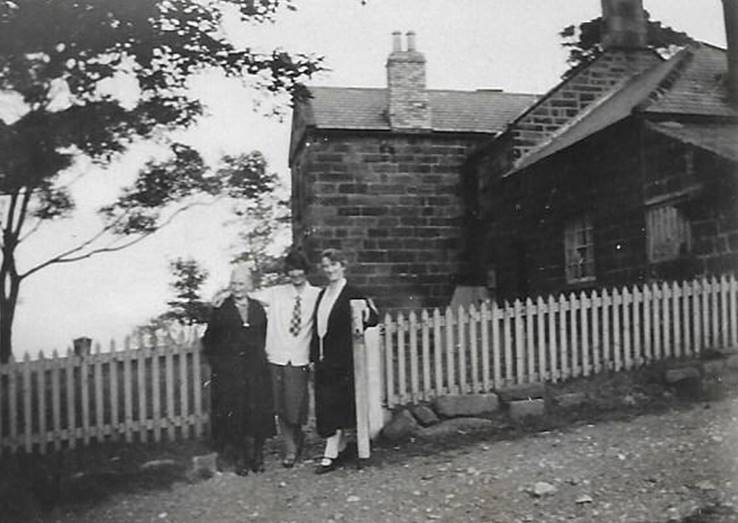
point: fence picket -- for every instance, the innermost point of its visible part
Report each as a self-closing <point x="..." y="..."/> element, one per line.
<point x="401" y="359"/>
<point x="184" y="401"/>
<point x="41" y="387"/>
<point x="115" y="425"/>
<point x="723" y="289"/>
<point x="450" y="369"/>
<point x="656" y="320"/>
<point x="675" y="319"/>
<point x="686" y="319"/>
<point x="85" y="396"/>
<point x="529" y="341"/>
<point x="425" y="342"/>
<point x="647" y="334"/>
<point x="697" y="316"/>
<point x="627" y="311"/>
<point x="507" y="340"/>
<point x="519" y="339"/>
<point x="140" y="357"/>
<point x="552" y="346"/>
<point x="584" y="307"/>
<point x="71" y="435"/>
<point x="27" y="409"/>
<point x="196" y="384"/>
<point x="563" y="342"/>
<point x="98" y="391"/>
<point x="707" y="342"/>
<point x="56" y="400"/>
<point x="461" y="345"/>
<point x="484" y="325"/>
<point x="666" y="319"/>
<point x="389" y="360"/>
<point x="437" y="352"/>
<point x="473" y="348"/>
<point x="414" y="379"/>
<point x="573" y="303"/>
<point x="617" y="348"/>
<point x="156" y="387"/>
<point x="12" y="404"/>
<point x="541" y="333"/>
<point x="637" y="333"/>
<point x="495" y="316"/>
<point x="595" y="303"/>
<point x="733" y="311"/>
<point x="607" y="349"/>
<point x="169" y="391"/>
<point x="128" y="390"/>
<point x="714" y="313"/>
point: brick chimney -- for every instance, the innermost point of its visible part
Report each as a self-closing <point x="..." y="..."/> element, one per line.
<point x="624" y="24"/>
<point x="730" y="12"/>
<point x="408" y="99"/>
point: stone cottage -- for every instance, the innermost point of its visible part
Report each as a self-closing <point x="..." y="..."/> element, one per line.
<point x="376" y="173"/>
<point x="625" y="172"/>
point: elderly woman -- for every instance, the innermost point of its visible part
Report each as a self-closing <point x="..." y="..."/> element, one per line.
<point x="242" y="413"/>
<point x="332" y="354"/>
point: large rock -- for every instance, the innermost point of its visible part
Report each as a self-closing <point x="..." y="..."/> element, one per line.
<point x="522" y="409"/>
<point x="204" y="466"/>
<point x="676" y="375"/>
<point x="401" y="426"/>
<point x="457" y="405"/>
<point x="424" y="414"/>
<point x="522" y="392"/>
<point x="454" y="426"/>
<point x="714" y="368"/>
<point x="570" y="400"/>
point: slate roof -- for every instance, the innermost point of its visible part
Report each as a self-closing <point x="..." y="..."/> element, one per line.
<point x="719" y="138"/>
<point x="359" y="108"/>
<point x="689" y="84"/>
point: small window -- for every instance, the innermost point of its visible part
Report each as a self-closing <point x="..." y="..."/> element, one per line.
<point x="668" y="233"/>
<point x="579" y="250"/>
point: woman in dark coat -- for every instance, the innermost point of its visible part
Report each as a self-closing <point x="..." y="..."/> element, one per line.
<point x="242" y="410"/>
<point x="332" y="355"/>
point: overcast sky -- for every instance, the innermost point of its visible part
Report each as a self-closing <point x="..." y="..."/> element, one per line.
<point x="468" y="44"/>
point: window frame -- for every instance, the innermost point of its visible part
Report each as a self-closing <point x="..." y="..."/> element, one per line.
<point x="574" y="227"/>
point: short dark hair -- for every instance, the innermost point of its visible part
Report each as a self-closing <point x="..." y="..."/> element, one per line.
<point x="334" y="255"/>
<point x="295" y="260"/>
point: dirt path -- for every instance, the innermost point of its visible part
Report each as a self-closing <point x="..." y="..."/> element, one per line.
<point x="677" y="466"/>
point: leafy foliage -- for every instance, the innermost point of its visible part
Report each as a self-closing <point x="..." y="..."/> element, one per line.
<point x="62" y="60"/>
<point x="584" y="40"/>
<point x="188" y="308"/>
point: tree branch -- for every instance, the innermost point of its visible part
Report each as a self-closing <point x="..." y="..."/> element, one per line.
<point x="23" y="211"/>
<point x="66" y="256"/>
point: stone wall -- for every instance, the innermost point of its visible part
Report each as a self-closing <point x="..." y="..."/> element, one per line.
<point x="567" y="100"/>
<point x="392" y="202"/>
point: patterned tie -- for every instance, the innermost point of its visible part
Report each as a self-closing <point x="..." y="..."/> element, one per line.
<point x="296" y="317"/>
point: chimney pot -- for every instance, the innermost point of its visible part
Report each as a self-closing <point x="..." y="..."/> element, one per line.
<point x="730" y="13"/>
<point x="396" y="42"/>
<point x="624" y="24"/>
<point x="411" y="41"/>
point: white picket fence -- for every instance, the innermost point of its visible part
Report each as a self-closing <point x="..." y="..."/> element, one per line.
<point x="149" y="391"/>
<point x="474" y="350"/>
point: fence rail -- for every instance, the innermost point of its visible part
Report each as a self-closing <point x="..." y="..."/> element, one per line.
<point x="477" y="349"/>
<point x="149" y="391"/>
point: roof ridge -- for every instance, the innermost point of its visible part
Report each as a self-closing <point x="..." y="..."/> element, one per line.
<point x="463" y="91"/>
<point x="681" y="60"/>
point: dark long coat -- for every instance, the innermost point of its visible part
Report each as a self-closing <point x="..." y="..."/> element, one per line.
<point x="242" y="394"/>
<point x="334" y="375"/>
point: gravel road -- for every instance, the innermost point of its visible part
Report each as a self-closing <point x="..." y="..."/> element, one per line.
<point x="680" y="465"/>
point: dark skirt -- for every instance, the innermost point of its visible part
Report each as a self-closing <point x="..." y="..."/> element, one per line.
<point x="335" y="406"/>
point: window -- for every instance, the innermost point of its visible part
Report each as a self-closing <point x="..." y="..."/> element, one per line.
<point x="667" y="233"/>
<point x="579" y="250"/>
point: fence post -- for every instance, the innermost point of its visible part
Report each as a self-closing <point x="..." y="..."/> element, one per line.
<point x="41" y="395"/>
<point x="375" y="384"/>
<point x="360" y="379"/>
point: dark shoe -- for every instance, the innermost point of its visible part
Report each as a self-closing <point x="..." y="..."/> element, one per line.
<point x="322" y="468"/>
<point x="289" y="461"/>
